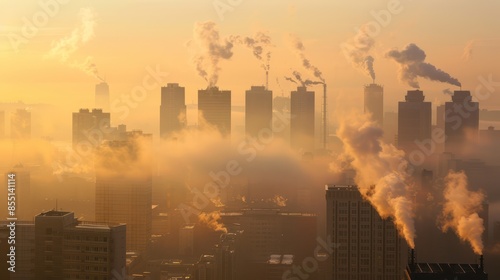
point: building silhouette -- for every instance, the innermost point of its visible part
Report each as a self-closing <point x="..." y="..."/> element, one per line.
<point x="461" y="122"/>
<point x="102" y="96"/>
<point x="20" y="124"/>
<point x="90" y="127"/>
<point x="374" y="103"/>
<point x="369" y="246"/>
<point x="414" y="121"/>
<point x="214" y="109"/>
<point x="59" y="246"/>
<point x="172" y="109"/>
<point x="302" y="120"/>
<point x="258" y="110"/>
<point x="124" y="187"/>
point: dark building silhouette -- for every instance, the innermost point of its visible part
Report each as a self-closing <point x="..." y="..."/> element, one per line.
<point x="302" y="120"/>
<point x="66" y="248"/>
<point x="369" y="246"/>
<point x="391" y="127"/>
<point x="374" y="103"/>
<point x="214" y="108"/>
<point x="461" y="123"/>
<point x="91" y="127"/>
<point x="414" y="121"/>
<point x="258" y="110"/>
<point x="20" y="124"/>
<point x="172" y="109"/>
<point x="25" y="251"/>
<point x="102" y="96"/>
<point x="124" y="187"/>
<point x="441" y="271"/>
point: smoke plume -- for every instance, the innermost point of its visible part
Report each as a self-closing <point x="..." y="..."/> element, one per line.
<point x="460" y="211"/>
<point x="212" y="220"/>
<point x="298" y="77"/>
<point x="291" y="80"/>
<point x="380" y="173"/>
<point x="357" y="50"/>
<point x="299" y="49"/>
<point x="260" y="44"/>
<point x="211" y="50"/>
<point x="412" y="65"/>
<point x="64" y="48"/>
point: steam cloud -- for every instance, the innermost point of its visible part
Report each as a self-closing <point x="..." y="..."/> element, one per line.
<point x="357" y="51"/>
<point x="67" y="46"/>
<point x="380" y="173"/>
<point x="412" y="65"/>
<point x="212" y="220"/>
<point x="299" y="48"/>
<point x="259" y="44"/>
<point x="460" y="211"/>
<point x="211" y="51"/>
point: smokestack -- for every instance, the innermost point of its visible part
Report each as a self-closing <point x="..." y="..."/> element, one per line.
<point x="267" y="80"/>
<point x="412" y="257"/>
<point x="481" y="263"/>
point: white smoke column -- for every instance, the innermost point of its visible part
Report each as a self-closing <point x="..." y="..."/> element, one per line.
<point x="380" y="172"/>
<point x="211" y="51"/>
<point x="212" y="220"/>
<point x="64" y="48"/>
<point x="460" y="211"/>
<point x="357" y="50"/>
<point x="298" y="77"/>
<point x="412" y="65"/>
<point x="299" y="49"/>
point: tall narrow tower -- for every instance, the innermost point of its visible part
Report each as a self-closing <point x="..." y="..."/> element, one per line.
<point x="302" y="120"/>
<point x="172" y="109"/>
<point x="102" y="96"/>
<point x="414" y="121"/>
<point x="258" y="110"/>
<point x="374" y="103"/>
<point x="461" y="122"/>
<point x="214" y="108"/>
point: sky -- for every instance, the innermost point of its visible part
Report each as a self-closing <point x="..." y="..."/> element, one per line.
<point x="131" y="36"/>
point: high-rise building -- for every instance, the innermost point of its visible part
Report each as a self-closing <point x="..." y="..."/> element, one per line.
<point x="391" y="127"/>
<point x="2" y="124"/>
<point x="414" y="121"/>
<point x="374" y="103"/>
<point x="206" y="268"/>
<point x="302" y="120"/>
<point x="90" y="127"/>
<point x="172" y="109"/>
<point x="66" y="248"/>
<point x="369" y="246"/>
<point x="226" y="256"/>
<point x="124" y="187"/>
<point x="461" y="122"/>
<point x="102" y="96"/>
<point x="258" y="110"/>
<point x="214" y="108"/>
<point x="20" y="124"/>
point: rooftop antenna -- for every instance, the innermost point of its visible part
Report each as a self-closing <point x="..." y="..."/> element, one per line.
<point x="267" y="79"/>
<point x="325" y="129"/>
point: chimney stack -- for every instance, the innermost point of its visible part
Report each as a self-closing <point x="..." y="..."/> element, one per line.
<point x="481" y="263"/>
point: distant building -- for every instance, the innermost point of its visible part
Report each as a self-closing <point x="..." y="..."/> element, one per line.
<point x="124" y="187"/>
<point x="20" y="124"/>
<point x="214" y="108"/>
<point x="258" y="110"/>
<point x="172" y="109"/>
<point x="186" y="240"/>
<point x="414" y="121"/>
<point x="66" y="248"/>
<point x="90" y="127"/>
<point x="302" y="120"/>
<point x="391" y="127"/>
<point x="369" y="247"/>
<point x="276" y="266"/>
<point x="461" y="122"/>
<point x="226" y="257"/>
<point x="374" y="103"/>
<point x="102" y="96"/>
<point x="206" y="268"/>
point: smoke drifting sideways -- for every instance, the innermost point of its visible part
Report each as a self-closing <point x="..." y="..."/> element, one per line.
<point x="260" y="44"/>
<point x="381" y="174"/>
<point x="460" y="211"/>
<point x="357" y="51"/>
<point x="64" y="48"/>
<point x="210" y="50"/>
<point x="412" y="66"/>
<point x="212" y="220"/>
<point x="299" y="49"/>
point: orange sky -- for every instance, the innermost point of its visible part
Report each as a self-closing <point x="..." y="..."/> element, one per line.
<point x="131" y="35"/>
